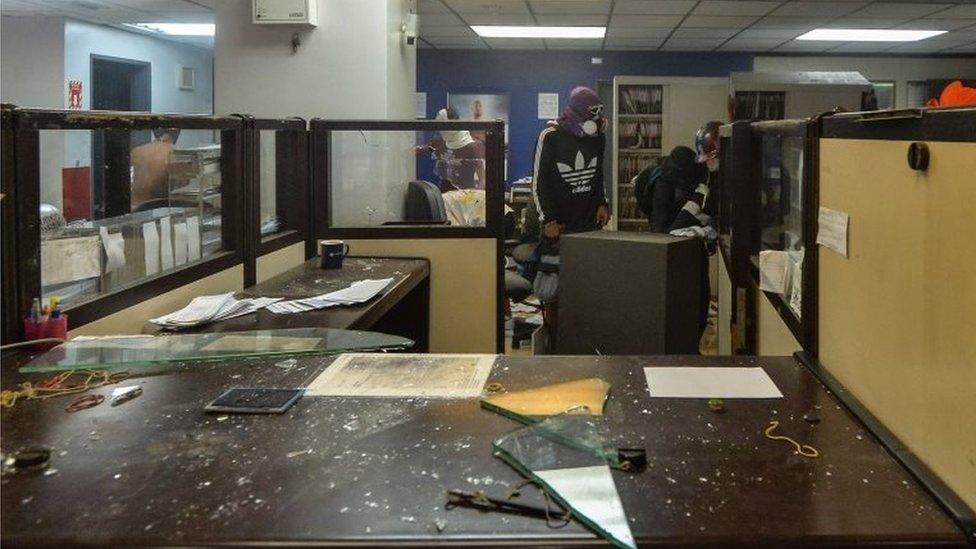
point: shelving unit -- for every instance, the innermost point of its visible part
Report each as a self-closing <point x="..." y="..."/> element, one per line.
<point x="650" y="117"/>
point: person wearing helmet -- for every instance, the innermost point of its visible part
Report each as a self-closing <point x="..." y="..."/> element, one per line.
<point x="707" y="144"/>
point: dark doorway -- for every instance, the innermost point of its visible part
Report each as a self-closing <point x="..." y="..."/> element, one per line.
<point x="117" y="85"/>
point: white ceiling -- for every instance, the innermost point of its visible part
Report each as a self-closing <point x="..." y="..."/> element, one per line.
<point x="119" y="12"/>
<point x="703" y="25"/>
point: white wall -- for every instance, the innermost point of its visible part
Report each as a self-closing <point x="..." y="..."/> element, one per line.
<point x="165" y="57"/>
<point x="32" y="75"/>
<point x="900" y="70"/>
<point x="351" y="66"/>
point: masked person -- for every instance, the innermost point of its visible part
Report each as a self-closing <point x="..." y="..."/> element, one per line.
<point x="567" y="187"/>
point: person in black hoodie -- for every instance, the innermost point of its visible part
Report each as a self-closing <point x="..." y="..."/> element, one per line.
<point x="567" y="179"/>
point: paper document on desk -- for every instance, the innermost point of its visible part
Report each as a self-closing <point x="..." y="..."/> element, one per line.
<point x="710" y="382"/>
<point x="212" y="308"/>
<point x="404" y="375"/>
<point x="358" y="292"/>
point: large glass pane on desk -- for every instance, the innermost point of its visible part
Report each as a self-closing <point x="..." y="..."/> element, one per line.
<point x="145" y="350"/>
<point x="119" y="206"/>
<point x="406" y="177"/>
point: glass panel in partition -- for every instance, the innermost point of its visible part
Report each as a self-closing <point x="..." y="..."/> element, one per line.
<point x="781" y="214"/>
<point x="118" y="206"/>
<point x="397" y="178"/>
<point x="267" y="178"/>
<point x="145" y="350"/>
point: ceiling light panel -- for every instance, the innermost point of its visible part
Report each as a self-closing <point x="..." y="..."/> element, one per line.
<point x="504" y="31"/>
<point x="869" y="35"/>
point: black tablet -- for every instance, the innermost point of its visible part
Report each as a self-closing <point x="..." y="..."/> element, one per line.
<point x="260" y="400"/>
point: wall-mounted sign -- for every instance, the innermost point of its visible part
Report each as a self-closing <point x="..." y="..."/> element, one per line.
<point x="74" y="94"/>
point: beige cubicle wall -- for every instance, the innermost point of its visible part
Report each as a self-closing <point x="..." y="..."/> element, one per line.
<point x="773" y="336"/>
<point x="898" y="316"/>
<point x="724" y="292"/>
<point x="279" y="261"/>
<point x="132" y="319"/>
<point x="463" y="288"/>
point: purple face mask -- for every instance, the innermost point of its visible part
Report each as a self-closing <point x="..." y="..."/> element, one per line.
<point x="583" y="112"/>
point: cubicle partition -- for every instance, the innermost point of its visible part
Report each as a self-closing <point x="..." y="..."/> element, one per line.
<point x="427" y="189"/>
<point x="279" y="187"/>
<point x="111" y="210"/>
<point x="768" y="236"/>
<point x="897" y="324"/>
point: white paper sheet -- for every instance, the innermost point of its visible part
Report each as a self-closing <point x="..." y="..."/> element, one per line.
<point x="713" y="382"/>
<point x="548" y="106"/>
<point x="357" y="292"/>
<point x="114" y="245"/>
<point x="193" y="238"/>
<point x="70" y="259"/>
<point x="832" y="230"/>
<point x="165" y="243"/>
<point x="150" y="242"/>
<point x="591" y="493"/>
<point x="404" y="375"/>
<point x="773" y="271"/>
<point x="212" y="308"/>
<point x="179" y="244"/>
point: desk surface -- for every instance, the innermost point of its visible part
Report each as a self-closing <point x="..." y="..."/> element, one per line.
<point x="308" y="280"/>
<point x="158" y="470"/>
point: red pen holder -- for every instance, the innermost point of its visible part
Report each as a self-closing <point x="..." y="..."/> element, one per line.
<point x="50" y="328"/>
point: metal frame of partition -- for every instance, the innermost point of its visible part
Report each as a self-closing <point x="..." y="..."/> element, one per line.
<point x="292" y="180"/>
<point x="740" y="231"/>
<point x="321" y="182"/>
<point x="21" y="225"/>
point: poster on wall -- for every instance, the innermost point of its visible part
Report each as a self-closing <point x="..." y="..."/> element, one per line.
<point x="483" y="107"/>
<point x="74" y="94"/>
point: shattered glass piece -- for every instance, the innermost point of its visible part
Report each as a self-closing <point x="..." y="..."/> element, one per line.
<point x="569" y="455"/>
<point x="550" y="400"/>
<point x="129" y="351"/>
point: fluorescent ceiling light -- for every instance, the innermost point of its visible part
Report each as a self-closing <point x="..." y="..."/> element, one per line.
<point x="177" y="29"/>
<point x="501" y="31"/>
<point x="869" y="35"/>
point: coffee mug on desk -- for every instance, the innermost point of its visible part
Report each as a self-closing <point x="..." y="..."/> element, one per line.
<point x="332" y="253"/>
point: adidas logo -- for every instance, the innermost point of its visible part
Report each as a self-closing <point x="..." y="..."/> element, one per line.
<point x="580" y="174"/>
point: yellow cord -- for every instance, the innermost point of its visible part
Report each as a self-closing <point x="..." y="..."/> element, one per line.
<point x="804" y="449"/>
<point x="57" y="386"/>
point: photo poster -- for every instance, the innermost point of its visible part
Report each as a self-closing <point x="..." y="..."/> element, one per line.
<point x="483" y="107"/>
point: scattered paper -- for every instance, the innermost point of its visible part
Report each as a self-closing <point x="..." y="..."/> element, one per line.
<point x="796" y="285"/>
<point x="179" y="244"/>
<point x="114" y="245"/>
<point x="358" y="292"/>
<point x="548" y="106"/>
<point x="166" y="243"/>
<point x="193" y="238"/>
<point x="212" y="308"/>
<point x="404" y="375"/>
<point x="773" y="271"/>
<point x="832" y="230"/>
<point x="710" y="382"/>
<point x="150" y="242"/>
<point x="70" y="259"/>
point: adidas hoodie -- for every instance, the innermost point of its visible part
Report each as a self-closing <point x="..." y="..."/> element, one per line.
<point x="567" y="180"/>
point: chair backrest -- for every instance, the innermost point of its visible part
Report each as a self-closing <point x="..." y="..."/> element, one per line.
<point x="424" y="203"/>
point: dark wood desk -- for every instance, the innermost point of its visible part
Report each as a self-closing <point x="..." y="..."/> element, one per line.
<point x="402" y="309"/>
<point x="158" y="470"/>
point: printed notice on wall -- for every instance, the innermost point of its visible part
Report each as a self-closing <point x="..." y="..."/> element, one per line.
<point x="548" y="106"/>
<point x="421" y="99"/>
<point x="832" y="230"/>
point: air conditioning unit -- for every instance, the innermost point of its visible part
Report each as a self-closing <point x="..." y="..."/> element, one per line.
<point x="285" y="12"/>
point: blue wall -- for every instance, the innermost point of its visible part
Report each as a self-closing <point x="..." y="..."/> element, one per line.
<point x="523" y="74"/>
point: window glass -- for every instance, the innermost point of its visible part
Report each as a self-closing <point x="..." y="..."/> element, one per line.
<point x="781" y="215"/>
<point x="118" y="206"/>
<point x="269" y="221"/>
<point x="398" y="178"/>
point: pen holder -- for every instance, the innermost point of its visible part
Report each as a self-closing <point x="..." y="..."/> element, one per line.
<point x="52" y="327"/>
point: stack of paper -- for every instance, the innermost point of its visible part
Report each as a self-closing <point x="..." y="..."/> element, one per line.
<point x="211" y="308"/>
<point x="358" y="292"/>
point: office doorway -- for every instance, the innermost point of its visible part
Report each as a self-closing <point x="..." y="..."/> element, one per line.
<point x="116" y="85"/>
